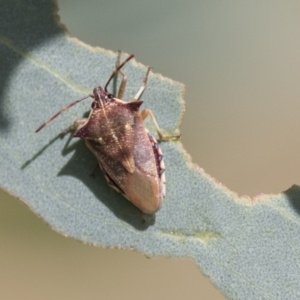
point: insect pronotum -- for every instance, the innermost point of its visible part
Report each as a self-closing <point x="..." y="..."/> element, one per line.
<point x="126" y="152"/>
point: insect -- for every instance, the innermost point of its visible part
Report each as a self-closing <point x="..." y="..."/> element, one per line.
<point x="126" y="152"/>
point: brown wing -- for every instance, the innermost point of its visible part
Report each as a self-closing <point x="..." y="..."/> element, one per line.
<point x="142" y="186"/>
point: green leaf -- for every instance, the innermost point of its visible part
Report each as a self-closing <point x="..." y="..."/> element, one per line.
<point x="248" y="247"/>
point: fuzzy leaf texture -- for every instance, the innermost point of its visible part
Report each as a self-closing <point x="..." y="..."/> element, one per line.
<point x="249" y="248"/>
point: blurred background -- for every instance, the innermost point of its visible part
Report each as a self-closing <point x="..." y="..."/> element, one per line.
<point x="240" y="63"/>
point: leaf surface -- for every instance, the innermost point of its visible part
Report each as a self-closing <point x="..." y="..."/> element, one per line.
<point x="249" y="248"/>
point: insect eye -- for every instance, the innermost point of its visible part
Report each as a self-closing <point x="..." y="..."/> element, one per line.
<point x="110" y="96"/>
<point x="93" y="105"/>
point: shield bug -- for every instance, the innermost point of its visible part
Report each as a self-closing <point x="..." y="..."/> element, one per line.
<point x="126" y="152"/>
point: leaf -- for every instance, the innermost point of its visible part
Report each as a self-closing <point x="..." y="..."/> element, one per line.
<point x="248" y="247"/>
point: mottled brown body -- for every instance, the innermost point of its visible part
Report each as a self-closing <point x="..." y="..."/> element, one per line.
<point x="129" y="156"/>
<point x="115" y="133"/>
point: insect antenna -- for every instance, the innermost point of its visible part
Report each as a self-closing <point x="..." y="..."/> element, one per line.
<point x="117" y="70"/>
<point x="62" y="110"/>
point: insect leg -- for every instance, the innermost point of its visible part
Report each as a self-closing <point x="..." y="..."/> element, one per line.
<point x="141" y="90"/>
<point x="147" y="112"/>
<point x="75" y="125"/>
<point x="117" y="69"/>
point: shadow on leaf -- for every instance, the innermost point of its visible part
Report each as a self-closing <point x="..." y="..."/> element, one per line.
<point x="18" y="36"/>
<point x="81" y="165"/>
<point x="293" y="194"/>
